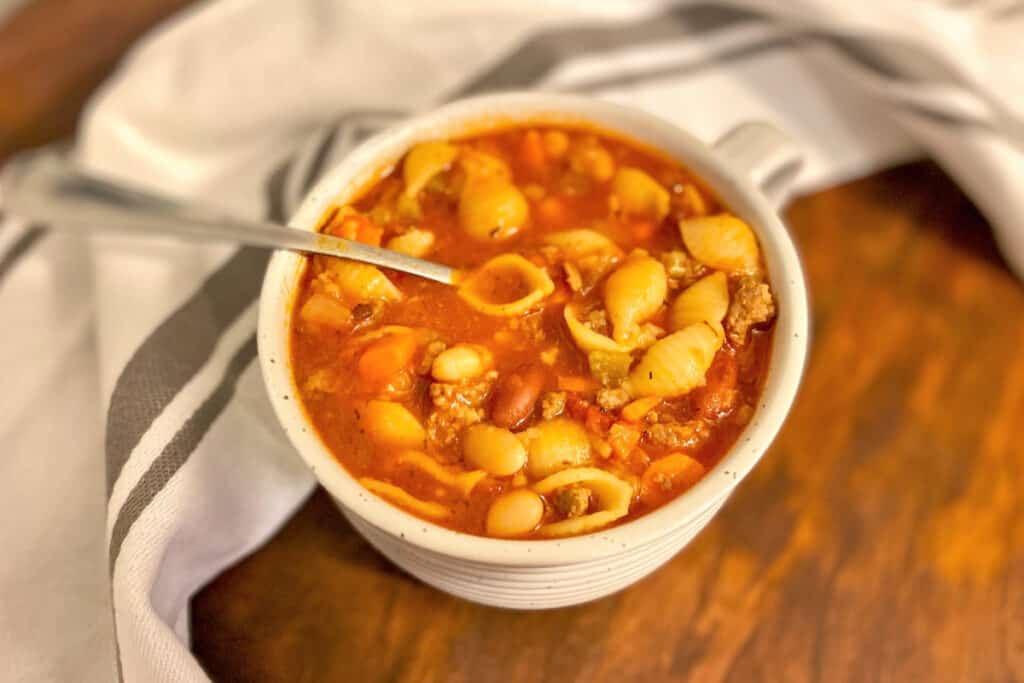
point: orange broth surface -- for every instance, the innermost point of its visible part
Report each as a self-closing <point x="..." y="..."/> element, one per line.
<point x="563" y="191"/>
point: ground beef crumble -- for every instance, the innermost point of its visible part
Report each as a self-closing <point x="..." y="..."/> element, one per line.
<point x="675" y="435"/>
<point x="571" y="501"/>
<point x="752" y="304"/>
<point x="456" y="406"/>
<point x="681" y="268"/>
<point x="612" y="399"/>
<point x="552" y="404"/>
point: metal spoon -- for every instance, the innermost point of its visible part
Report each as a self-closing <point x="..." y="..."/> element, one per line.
<point x="41" y="187"/>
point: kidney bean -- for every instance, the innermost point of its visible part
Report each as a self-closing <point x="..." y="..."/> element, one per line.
<point x="516" y="396"/>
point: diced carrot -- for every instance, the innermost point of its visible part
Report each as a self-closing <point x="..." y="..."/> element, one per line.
<point x="580" y="385"/>
<point x="642" y="230"/>
<point x="347" y="229"/>
<point x="597" y="421"/>
<point x="551" y="210"/>
<point x="385" y="358"/>
<point x="623" y="438"/>
<point x="635" y="410"/>
<point x="667" y="477"/>
<point x="321" y="309"/>
<point x="358" y="227"/>
<point x="371" y="234"/>
<point x="531" y="150"/>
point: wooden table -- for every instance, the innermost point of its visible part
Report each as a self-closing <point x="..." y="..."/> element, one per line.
<point x="881" y="538"/>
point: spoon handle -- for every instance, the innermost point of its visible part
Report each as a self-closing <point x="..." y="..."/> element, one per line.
<point x="40" y="187"/>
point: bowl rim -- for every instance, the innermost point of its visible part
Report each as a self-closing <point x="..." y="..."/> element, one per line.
<point x="376" y="155"/>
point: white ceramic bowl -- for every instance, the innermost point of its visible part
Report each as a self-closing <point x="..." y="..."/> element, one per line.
<point x="551" y="573"/>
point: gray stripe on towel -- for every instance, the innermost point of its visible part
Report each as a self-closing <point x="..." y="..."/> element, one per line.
<point x="21" y="246"/>
<point x="177" y="450"/>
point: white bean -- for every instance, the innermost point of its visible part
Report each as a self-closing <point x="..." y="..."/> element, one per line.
<point x="493" y="449"/>
<point x="515" y="513"/>
<point x="460" y="362"/>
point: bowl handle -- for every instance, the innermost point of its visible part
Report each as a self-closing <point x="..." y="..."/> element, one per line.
<point x="769" y="158"/>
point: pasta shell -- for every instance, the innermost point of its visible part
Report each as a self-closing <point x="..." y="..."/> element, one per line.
<point x="706" y="300"/>
<point x="721" y="241"/>
<point x="640" y="194"/>
<point x="402" y="498"/>
<point x="576" y="243"/>
<point x="676" y="364"/>
<point x="424" y="161"/>
<point x="492" y="209"/>
<point x="463" y="482"/>
<point x="556" y="444"/>
<point x="633" y="293"/>
<point x="361" y="282"/>
<point x="519" y="285"/>
<point x="587" y="339"/>
<point x="479" y="165"/>
<point x="613" y="496"/>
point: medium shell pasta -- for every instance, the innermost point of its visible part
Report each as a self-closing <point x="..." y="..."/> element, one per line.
<point x="492" y="209"/>
<point x="508" y="276"/>
<point x="640" y="194"/>
<point x="721" y="241"/>
<point x="424" y="161"/>
<point x="633" y="293"/>
<point x="555" y="445"/>
<point x="613" y="497"/>
<point x="359" y="282"/>
<point x="400" y="497"/>
<point x="587" y="339"/>
<point x="576" y="243"/>
<point x="463" y="482"/>
<point x="706" y="300"/>
<point x="675" y="365"/>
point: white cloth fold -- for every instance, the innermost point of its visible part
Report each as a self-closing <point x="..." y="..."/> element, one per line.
<point x="241" y="103"/>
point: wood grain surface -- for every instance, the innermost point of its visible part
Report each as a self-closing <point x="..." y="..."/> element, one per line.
<point x="880" y="539"/>
<point x="55" y="53"/>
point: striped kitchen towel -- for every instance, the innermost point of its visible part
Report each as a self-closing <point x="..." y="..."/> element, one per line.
<point x="140" y="354"/>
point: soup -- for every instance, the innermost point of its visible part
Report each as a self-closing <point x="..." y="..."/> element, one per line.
<point x="605" y="348"/>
